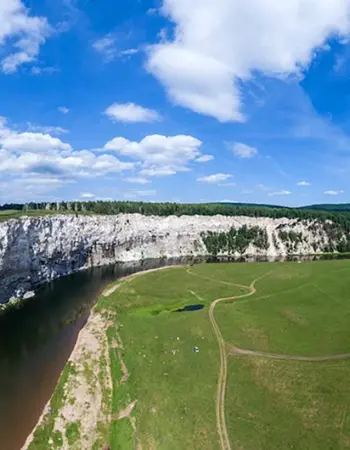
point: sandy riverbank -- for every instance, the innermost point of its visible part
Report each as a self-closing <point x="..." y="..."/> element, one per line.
<point x="84" y="384"/>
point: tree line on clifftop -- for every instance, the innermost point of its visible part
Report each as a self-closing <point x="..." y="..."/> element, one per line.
<point x="342" y="219"/>
<point x="336" y="225"/>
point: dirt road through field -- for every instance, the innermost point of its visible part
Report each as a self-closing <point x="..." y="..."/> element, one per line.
<point x="240" y="351"/>
<point x="221" y="388"/>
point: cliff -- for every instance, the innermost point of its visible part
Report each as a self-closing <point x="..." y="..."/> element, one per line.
<point x="34" y="250"/>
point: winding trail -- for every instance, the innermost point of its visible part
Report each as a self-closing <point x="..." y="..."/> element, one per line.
<point x="222" y="381"/>
<point x="240" y="351"/>
<point x="221" y="388"/>
<point x="236" y="351"/>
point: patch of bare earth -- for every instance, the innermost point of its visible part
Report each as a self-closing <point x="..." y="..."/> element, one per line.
<point x="84" y="390"/>
<point x="293" y="317"/>
<point x="87" y="387"/>
<point x="126" y="414"/>
<point x="110" y="290"/>
<point x="127" y="411"/>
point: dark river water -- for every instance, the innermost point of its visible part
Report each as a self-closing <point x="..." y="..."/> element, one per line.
<point x="36" y="340"/>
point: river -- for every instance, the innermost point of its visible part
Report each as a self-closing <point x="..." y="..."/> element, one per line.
<point x="37" y="338"/>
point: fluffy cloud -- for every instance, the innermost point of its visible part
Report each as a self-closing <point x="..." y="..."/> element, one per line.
<point x="331" y="192"/>
<point x="35" y="142"/>
<point x="219" y="44"/>
<point x="205" y="158"/>
<point x="37" y="154"/>
<point x="303" y="183"/>
<point x="215" y="178"/>
<point x="77" y="164"/>
<point x="21" y="34"/>
<point x="129" y="112"/>
<point x="243" y="150"/>
<point x="159" y="155"/>
<point x="37" y="139"/>
<point x="278" y="193"/>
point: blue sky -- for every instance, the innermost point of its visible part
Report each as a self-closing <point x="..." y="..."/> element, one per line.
<point x="189" y="101"/>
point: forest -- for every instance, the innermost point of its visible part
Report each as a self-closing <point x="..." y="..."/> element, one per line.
<point x="235" y="240"/>
<point x="339" y="217"/>
<point x="238" y="240"/>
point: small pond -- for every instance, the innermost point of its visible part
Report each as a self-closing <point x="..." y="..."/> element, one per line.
<point x="190" y="308"/>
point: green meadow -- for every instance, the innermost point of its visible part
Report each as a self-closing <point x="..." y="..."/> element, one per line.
<point x="166" y="364"/>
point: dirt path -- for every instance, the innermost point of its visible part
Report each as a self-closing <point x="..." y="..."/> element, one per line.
<point x="215" y="280"/>
<point x="221" y="388"/>
<point x="222" y="381"/>
<point x="109" y="291"/>
<point x="241" y="351"/>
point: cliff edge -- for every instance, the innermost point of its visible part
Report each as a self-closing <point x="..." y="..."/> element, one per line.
<point x="34" y="250"/>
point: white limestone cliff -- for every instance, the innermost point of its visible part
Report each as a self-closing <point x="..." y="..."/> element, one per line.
<point x="34" y="250"/>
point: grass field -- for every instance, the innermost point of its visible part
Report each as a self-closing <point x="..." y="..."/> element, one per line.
<point x="164" y="394"/>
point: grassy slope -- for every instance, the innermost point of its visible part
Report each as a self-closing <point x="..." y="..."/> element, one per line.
<point x="288" y="405"/>
<point x="172" y="384"/>
<point x="298" y="309"/>
<point x="270" y="404"/>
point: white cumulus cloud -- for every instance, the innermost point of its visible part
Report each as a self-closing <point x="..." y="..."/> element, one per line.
<point x="159" y="155"/>
<point x="21" y="35"/>
<point x="129" y="112"/>
<point x="243" y="150"/>
<point x="215" y="178"/>
<point x="303" y="183"/>
<point x="35" y="142"/>
<point x="217" y="44"/>
<point x="37" y="154"/>
<point x="205" y="158"/>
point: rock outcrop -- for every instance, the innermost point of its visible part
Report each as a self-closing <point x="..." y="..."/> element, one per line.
<point x="34" y="250"/>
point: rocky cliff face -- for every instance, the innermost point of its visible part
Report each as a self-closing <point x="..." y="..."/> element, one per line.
<point x="34" y="250"/>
